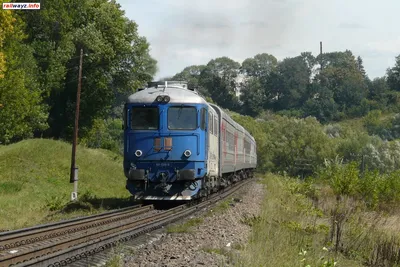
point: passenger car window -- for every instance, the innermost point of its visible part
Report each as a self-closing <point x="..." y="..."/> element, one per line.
<point x="182" y="118"/>
<point x="144" y="118"/>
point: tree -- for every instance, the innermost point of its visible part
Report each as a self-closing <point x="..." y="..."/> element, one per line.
<point x="393" y="76"/>
<point x="360" y="67"/>
<point x="191" y="75"/>
<point x="259" y="66"/>
<point x="289" y="83"/>
<point x="21" y="110"/>
<point x="252" y="96"/>
<point x="219" y="78"/>
<point x="321" y="105"/>
<point x="256" y="71"/>
<point x="116" y="61"/>
<point x="6" y="21"/>
<point x="341" y="75"/>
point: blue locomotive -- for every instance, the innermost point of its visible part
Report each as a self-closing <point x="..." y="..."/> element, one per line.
<point x="177" y="146"/>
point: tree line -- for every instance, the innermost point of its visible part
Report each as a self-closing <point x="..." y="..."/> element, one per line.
<point x="39" y="60"/>
<point x="331" y="86"/>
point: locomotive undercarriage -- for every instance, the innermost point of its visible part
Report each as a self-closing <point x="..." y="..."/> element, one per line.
<point x="212" y="184"/>
<point x="184" y="190"/>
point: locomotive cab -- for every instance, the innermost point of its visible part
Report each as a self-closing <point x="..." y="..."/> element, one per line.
<point x="166" y="142"/>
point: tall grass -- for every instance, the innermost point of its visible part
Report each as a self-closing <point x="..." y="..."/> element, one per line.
<point x="35" y="188"/>
<point x="290" y="230"/>
<point x="345" y="218"/>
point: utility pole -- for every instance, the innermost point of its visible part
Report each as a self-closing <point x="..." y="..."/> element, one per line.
<point x="74" y="169"/>
<point x="320" y="48"/>
<point x="320" y="53"/>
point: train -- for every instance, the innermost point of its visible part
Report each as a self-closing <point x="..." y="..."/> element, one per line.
<point x="179" y="147"/>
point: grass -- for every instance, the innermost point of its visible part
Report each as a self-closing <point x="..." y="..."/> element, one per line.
<point x="315" y="224"/>
<point x="221" y="207"/>
<point x="185" y="227"/>
<point x="35" y="188"/>
<point x="290" y="231"/>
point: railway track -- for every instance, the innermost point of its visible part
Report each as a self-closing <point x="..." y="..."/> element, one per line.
<point x="60" y="244"/>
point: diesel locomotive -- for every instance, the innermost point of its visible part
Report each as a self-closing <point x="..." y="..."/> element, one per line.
<point x="177" y="146"/>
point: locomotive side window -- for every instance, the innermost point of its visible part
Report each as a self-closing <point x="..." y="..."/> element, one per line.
<point x="203" y="113"/>
<point x="215" y="126"/>
<point x="182" y="118"/>
<point x="210" y="125"/>
<point x="144" y="118"/>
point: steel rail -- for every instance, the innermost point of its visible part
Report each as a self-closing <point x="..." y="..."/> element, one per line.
<point x="21" y="237"/>
<point x="67" y="251"/>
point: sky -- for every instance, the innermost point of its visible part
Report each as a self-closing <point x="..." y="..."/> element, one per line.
<point x="187" y="32"/>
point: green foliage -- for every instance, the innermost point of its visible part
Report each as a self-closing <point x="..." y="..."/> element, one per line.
<point x="7" y="20"/>
<point x="294" y="146"/>
<point x="116" y="60"/>
<point x="21" y="108"/>
<point x="372" y="187"/>
<point x="252" y="96"/>
<point x="219" y="78"/>
<point x="259" y="66"/>
<point x="351" y="147"/>
<point x="289" y="83"/>
<point x="306" y="187"/>
<point x="298" y="145"/>
<point x="297" y="86"/>
<point x="374" y="124"/>
<point x="383" y="156"/>
<point x="343" y="180"/>
<point x="191" y="75"/>
<point x="393" y="75"/>
<point x="54" y="203"/>
<point x="387" y="128"/>
<point x="106" y="134"/>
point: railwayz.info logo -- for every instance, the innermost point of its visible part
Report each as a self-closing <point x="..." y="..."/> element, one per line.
<point x="21" y="5"/>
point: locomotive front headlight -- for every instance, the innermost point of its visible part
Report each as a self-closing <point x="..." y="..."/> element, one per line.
<point x="166" y="99"/>
<point x="159" y="98"/>
<point x="187" y="153"/>
<point x="138" y="153"/>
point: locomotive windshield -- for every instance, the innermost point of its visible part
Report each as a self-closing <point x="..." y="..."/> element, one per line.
<point x="182" y="118"/>
<point x="144" y="118"/>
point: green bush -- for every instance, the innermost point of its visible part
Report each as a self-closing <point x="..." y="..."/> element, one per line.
<point x="294" y="146"/>
<point x="386" y="128"/>
<point x="373" y="187"/>
<point x="382" y="156"/>
<point x="106" y="134"/>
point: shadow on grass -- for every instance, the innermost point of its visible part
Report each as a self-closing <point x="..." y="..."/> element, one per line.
<point x="88" y="202"/>
<point x="99" y="203"/>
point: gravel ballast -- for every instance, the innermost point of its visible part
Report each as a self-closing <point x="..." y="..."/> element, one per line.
<point x="210" y="241"/>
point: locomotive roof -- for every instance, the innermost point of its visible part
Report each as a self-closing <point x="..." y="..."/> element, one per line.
<point x="177" y="91"/>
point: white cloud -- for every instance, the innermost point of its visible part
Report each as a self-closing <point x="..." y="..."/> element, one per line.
<point x="188" y="32"/>
<point x="391" y="46"/>
<point x="193" y="53"/>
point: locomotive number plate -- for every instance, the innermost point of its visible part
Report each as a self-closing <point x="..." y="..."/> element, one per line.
<point x="162" y="164"/>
